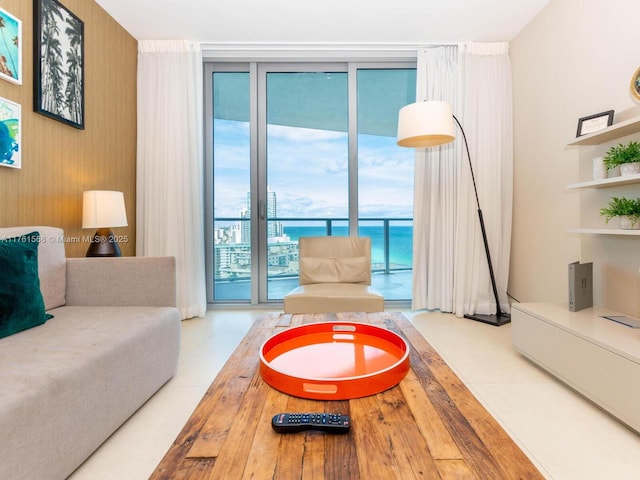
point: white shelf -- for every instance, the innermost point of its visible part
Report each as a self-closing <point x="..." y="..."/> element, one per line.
<point x="621" y="129"/>
<point x="607" y="182"/>
<point x="605" y="231"/>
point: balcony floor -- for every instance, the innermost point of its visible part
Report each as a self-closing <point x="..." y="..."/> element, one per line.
<point x="392" y="286"/>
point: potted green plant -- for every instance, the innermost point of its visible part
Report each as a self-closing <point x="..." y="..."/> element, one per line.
<point x="628" y="209"/>
<point x="625" y="156"/>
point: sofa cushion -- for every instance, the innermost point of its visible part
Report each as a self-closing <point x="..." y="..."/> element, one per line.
<point x="21" y="304"/>
<point x="52" y="269"/>
<point x="67" y="385"/>
<point x="333" y="270"/>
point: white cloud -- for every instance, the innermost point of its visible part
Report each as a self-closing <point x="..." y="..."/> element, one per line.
<point x="297" y="134"/>
<point x="308" y="170"/>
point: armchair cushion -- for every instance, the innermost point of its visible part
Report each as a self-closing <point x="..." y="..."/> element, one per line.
<point x="334" y="270"/>
<point x="333" y="298"/>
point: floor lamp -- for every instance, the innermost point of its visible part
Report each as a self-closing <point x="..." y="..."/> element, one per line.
<point x="429" y="124"/>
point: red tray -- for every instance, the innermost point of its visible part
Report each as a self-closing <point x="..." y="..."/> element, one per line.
<point x="334" y="360"/>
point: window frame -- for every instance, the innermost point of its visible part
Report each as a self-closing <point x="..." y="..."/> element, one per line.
<point x="257" y="70"/>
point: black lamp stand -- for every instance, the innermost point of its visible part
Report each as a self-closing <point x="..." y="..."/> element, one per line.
<point x="104" y="244"/>
<point x="499" y="318"/>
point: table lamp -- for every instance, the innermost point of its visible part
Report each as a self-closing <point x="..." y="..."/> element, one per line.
<point x="429" y="124"/>
<point x="103" y="209"/>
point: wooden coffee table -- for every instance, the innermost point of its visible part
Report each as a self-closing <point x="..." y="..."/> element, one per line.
<point x="429" y="426"/>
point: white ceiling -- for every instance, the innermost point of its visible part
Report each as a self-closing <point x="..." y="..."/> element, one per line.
<point x="324" y="21"/>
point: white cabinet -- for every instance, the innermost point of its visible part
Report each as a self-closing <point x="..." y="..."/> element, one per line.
<point x="598" y="358"/>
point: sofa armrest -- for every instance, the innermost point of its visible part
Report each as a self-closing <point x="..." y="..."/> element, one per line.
<point x="127" y="281"/>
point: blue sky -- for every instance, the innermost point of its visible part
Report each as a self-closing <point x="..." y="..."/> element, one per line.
<point x="308" y="171"/>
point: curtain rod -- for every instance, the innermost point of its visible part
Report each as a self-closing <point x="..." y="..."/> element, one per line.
<point x="329" y="51"/>
<point x="321" y="46"/>
<point x="310" y="51"/>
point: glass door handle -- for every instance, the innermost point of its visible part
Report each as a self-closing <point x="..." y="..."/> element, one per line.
<point x="262" y="209"/>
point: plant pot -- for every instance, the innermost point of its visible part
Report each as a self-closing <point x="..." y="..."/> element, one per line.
<point x="613" y="172"/>
<point x="630" y="168"/>
<point x="629" y="223"/>
<point x="599" y="169"/>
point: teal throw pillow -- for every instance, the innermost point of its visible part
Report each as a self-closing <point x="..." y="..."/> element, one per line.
<point x="21" y="303"/>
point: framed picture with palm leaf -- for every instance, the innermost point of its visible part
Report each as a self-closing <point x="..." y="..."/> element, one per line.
<point x="10" y="47"/>
<point x="58" y="63"/>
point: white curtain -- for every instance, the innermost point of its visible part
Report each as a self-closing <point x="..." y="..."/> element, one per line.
<point x="434" y="210"/>
<point x="170" y="184"/>
<point x="453" y="274"/>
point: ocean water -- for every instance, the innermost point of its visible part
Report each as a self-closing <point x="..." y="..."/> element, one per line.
<point x="394" y="286"/>
<point x="400" y="241"/>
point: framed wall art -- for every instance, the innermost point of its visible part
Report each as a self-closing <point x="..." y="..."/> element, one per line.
<point x="10" y="134"/>
<point x="593" y="123"/>
<point x="10" y="47"/>
<point x="58" y="63"/>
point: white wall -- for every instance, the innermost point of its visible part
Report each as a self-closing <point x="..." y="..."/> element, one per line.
<point x="574" y="59"/>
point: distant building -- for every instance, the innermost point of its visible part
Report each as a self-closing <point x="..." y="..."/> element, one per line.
<point x="274" y="228"/>
<point x="233" y="245"/>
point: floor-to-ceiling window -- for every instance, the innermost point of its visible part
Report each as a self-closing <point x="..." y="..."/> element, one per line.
<point x="299" y="150"/>
<point x="385" y="177"/>
<point x="229" y="251"/>
<point x="306" y="161"/>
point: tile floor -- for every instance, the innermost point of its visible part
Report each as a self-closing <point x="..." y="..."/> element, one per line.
<point x="566" y="436"/>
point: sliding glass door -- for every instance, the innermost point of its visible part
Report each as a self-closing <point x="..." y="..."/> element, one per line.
<point x="385" y="177"/>
<point x="304" y="150"/>
<point x="306" y="164"/>
<point x="229" y="243"/>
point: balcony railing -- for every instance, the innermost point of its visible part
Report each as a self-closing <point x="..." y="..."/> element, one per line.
<point x="391" y="239"/>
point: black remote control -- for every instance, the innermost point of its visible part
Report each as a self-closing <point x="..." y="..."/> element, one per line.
<point x="297" y="422"/>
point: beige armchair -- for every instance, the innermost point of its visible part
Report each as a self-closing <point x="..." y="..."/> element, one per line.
<point x="335" y="276"/>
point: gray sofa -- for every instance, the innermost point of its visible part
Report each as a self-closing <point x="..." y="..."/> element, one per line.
<point x="67" y="385"/>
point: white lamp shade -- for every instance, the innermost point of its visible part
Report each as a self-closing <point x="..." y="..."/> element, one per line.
<point x="103" y="209"/>
<point x="425" y="124"/>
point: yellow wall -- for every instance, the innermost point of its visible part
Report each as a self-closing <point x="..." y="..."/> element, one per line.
<point x="574" y="59"/>
<point x="59" y="162"/>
